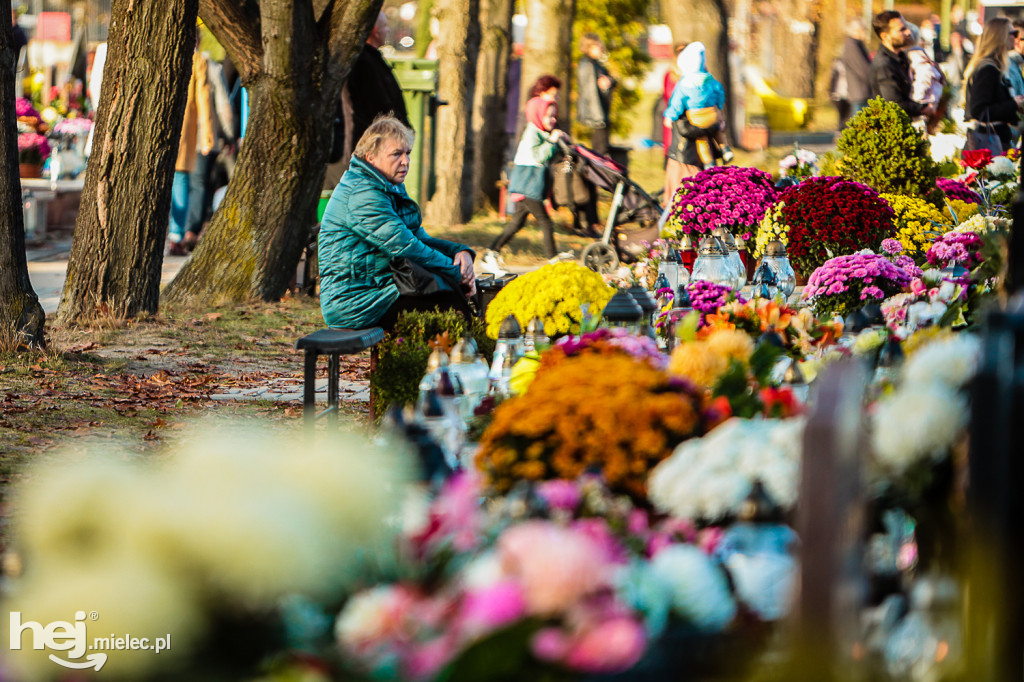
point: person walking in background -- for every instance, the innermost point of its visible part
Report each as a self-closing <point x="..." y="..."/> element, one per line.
<point x="696" y="118"/>
<point x="1015" y="60"/>
<point x="890" y="69"/>
<point x="529" y="180"/>
<point x="196" y="139"/>
<point x="215" y="122"/>
<point x="927" y="83"/>
<point x="851" y="85"/>
<point x="667" y="86"/>
<point x="956" y="63"/>
<point x="1015" y="70"/>
<point x="370" y="90"/>
<point x="593" y="108"/>
<point x="990" y="108"/>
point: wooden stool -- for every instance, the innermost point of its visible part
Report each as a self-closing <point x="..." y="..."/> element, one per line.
<point x="332" y="342"/>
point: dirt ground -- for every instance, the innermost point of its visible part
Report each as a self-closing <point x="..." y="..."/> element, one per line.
<point x="140" y="382"/>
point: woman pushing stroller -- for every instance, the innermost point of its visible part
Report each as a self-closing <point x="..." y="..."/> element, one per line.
<point x="528" y="182"/>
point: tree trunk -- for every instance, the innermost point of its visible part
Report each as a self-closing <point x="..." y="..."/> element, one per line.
<point x="457" y="48"/>
<point x="117" y="252"/>
<point x="490" y="104"/>
<point x="256" y="237"/>
<point x="548" y="49"/>
<point x="793" y="37"/>
<point x="21" y="316"/>
<point x="708" y="22"/>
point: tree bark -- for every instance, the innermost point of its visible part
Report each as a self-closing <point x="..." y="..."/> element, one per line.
<point x="293" y="58"/>
<point x="490" y="104"/>
<point x="117" y="251"/>
<point x="548" y="49"/>
<point x="457" y="48"/>
<point x="21" y="317"/>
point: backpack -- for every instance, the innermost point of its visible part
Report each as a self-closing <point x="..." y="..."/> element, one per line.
<point x="839" y="87"/>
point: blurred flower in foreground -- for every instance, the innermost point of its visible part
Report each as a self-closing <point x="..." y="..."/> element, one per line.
<point x="233" y="521"/>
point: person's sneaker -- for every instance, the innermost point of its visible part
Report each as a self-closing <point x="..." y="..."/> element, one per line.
<point x="727" y="154"/>
<point x="491" y="263"/>
<point x="565" y="255"/>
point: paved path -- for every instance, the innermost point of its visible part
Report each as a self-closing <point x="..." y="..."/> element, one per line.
<point x="47" y="269"/>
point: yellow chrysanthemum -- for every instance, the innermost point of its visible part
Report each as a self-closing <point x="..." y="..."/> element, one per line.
<point x="956" y="211"/>
<point x="555" y="293"/>
<point x="698" y="362"/>
<point x="770" y="229"/>
<point x="731" y="344"/>
<point x="918" y="223"/>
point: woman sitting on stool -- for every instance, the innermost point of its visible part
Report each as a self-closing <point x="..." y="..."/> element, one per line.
<point x="371" y="220"/>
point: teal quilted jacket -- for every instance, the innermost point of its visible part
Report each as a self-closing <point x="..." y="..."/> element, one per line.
<point x="368" y="222"/>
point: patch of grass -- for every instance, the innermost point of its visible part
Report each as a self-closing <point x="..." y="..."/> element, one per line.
<point x="142" y="382"/>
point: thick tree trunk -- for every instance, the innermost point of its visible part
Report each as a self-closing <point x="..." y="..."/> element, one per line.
<point x="795" y="58"/>
<point x="457" y="47"/>
<point x="490" y="104"/>
<point x="117" y="252"/>
<point x="548" y="49"/>
<point x="293" y="63"/>
<point x="264" y="220"/>
<point x="21" y="316"/>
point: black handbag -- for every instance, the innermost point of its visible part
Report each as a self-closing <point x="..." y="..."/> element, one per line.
<point x="984" y="136"/>
<point x="412" y="279"/>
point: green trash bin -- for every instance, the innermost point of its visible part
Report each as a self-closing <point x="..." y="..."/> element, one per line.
<point x="418" y="80"/>
<point x="325" y="196"/>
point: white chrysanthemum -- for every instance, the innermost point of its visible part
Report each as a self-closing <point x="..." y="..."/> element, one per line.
<point x="1002" y="167"/>
<point x="78" y="511"/>
<point x="710" y="477"/>
<point x="130" y="596"/>
<point x="264" y="514"/>
<point x="981" y="224"/>
<point x="952" y="360"/>
<point x="700" y="592"/>
<point x="918" y="420"/>
<point x="944" y="147"/>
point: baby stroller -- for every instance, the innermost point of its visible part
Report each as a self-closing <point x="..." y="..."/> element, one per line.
<point x="630" y="204"/>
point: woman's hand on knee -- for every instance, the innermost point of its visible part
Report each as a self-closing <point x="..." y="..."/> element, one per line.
<point x="464" y="261"/>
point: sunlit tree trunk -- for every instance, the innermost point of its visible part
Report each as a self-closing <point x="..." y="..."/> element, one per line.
<point x="117" y="252"/>
<point x="293" y="57"/>
<point x="490" y="102"/>
<point x="21" y="316"/>
<point x="457" y="47"/>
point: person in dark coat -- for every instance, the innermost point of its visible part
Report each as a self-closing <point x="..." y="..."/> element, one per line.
<point x="990" y="106"/>
<point x="594" y="105"/>
<point x="370" y="90"/>
<point x="890" y="69"/>
<point x="856" y="68"/>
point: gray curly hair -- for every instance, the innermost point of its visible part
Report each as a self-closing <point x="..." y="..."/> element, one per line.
<point x="384" y="127"/>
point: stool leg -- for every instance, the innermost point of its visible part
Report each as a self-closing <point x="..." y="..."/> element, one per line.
<point x="333" y="370"/>
<point x="309" y="392"/>
<point x="374" y="355"/>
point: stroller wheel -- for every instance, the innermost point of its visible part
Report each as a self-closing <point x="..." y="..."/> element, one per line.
<point x="600" y="258"/>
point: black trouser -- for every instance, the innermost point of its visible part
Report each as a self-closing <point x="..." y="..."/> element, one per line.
<point x="444" y="300"/>
<point x="525" y="206"/>
<point x="599" y="140"/>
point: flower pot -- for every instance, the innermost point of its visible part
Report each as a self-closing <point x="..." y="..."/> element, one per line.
<point x="30" y="170"/>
